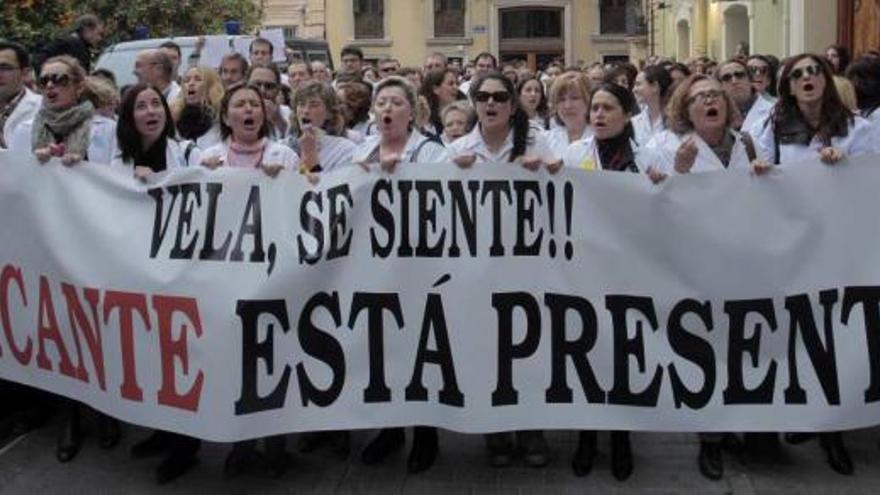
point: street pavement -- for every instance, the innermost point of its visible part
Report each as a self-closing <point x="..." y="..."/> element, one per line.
<point x="664" y="463"/>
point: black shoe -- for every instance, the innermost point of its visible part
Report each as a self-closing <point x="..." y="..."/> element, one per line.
<point x="424" y="450"/>
<point x="838" y="457"/>
<point x="621" y="455"/>
<point x="175" y="465"/>
<point x="798" y="438"/>
<point x="533" y="447"/>
<point x="108" y="431"/>
<point x="710" y="460"/>
<point x="389" y="441"/>
<point x="500" y="449"/>
<point x="582" y="462"/>
<point x="243" y="457"/>
<point x="153" y="446"/>
<point x="69" y="438"/>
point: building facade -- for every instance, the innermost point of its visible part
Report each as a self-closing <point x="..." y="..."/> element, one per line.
<point x="688" y="28"/>
<point x="302" y="18"/>
<point x="538" y="31"/>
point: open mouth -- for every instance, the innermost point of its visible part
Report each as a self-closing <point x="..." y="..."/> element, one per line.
<point x="387" y="120"/>
<point x="152" y="124"/>
<point x="306" y="121"/>
<point x="809" y="87"/>
<point x="712" y="112"/>
<point x="249" y="122"/>
<point x="491" y="113"/>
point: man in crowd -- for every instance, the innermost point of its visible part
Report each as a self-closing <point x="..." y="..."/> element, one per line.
<point x="261" y="51"/>
<point x="388" y="67"/>
<point x="17" y="103"/>
<point x="352" y="60"/>
<point x="736" y="82"/>
<point x="155" y="67"/>
<point x="298" y="73"/>
<point x="172" y="49"/>
<point x="434" y="61"/>
<point x="320" y="72"/>
<point x="233" y="69"/>
<point x="88" y="31"/>
<point x="483" y="64"/>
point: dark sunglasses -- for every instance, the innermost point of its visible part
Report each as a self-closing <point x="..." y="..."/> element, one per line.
<point x="498" y="96"/>
<point x="61" y="80"/>
<point x="810" y="70"/>
<point x="703" y="96"/>
<point x="266" y="85"/>
<point x="757" y="70"/>
<point x="730" y="76"/>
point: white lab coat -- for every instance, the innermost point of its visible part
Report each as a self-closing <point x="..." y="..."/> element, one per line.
<point x="754" y="120"/>
<point x="274" y="154"/>
<point x="557" y="138"/>
<point x="419" y="149"/>
<point x="862" y="138"/>
<point x="473" y="144"/>
<point x="664" y="146"/>
<point x="24" y="112"/>
<point x="102" y="139"/>
<point x="175" y="156"/>
<point x="583" y="154"/>
<point x="644" y="129"/>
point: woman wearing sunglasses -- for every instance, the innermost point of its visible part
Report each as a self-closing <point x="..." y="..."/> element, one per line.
<point x="736" y="82"/>
<point x="197" y="108"/>
<point x="651" y="89"/>
<point x="810" y="121"/>
<point x="763" y="74"/>
<point x="570" y="100"/>
<point x="399" y="141"/>
<point x="245" y="132"/>
<point x="62" y="125"/>
<point x="503" y="134"/>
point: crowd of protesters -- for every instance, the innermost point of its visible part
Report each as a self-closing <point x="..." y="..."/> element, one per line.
<point x="667" y="117"/>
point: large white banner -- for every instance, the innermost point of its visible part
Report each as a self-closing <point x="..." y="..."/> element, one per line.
<point x="229" y="305"/>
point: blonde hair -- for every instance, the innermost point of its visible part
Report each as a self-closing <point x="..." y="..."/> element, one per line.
<point x="213" y="92"/>
<point x="335" y="123"/>
<point x="847" y="93"/>
<point x="74" y="69"/>
<point x="460" y="106"/>
<point x="677" y="116"/>
<point x="570" y="81"/>
<point x="100" y="92"/>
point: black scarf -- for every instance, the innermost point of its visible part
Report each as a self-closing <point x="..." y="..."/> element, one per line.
<point x="194" y="122"/>
<point x="617" y="154"/>
<point x="153" y="157"/>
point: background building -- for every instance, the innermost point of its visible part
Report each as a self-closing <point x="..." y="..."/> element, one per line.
<point x="302" y="18"/>
<point x="572" y="31"/>
<point x="687" y="28"/>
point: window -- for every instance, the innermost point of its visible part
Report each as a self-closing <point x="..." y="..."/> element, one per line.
<point x="449" y="18"/>
<point x="612" y="16"/>
<point x="369" y="21"/>
<point x="531" y="23"/>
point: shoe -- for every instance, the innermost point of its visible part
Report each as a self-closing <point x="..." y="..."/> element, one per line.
<point x="175" y="465"/>
<point x="500" y="449"/>
<point x="108" y="431"/>
<point x="69" y="439"/>
<point x="242" y="458"/>
<point x="154" y="445"/>
<point x="424" y="450"/>
<point x="798" y="438"/>
<point x="582" y="462"/>
<point x="389" y="441"/>
<point x="621" y="455"/>
<point x="710" y="461"/>
<point x="534" y="448"/>
<point x="838" y="457"/>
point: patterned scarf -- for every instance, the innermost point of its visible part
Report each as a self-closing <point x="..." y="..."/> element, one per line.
<point x="70" y="126"/>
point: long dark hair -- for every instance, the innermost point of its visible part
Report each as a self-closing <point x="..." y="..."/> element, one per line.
<point x="656" y="74"/>
<point x="542" y="110"/>
<point x="519" y="119"/>
<point x="865" y="76"/>
<point x="127" y="136"/>
<point x="772" y="71"/>
<point x="843" y="55"/>
<point x="835" y="116"/>
<point x="627" y="103"/>
<point x="225" y="130"/>
<point x="433" y="80"/>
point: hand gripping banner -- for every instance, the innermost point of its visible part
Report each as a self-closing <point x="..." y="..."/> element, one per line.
<point x="229" y="305"/>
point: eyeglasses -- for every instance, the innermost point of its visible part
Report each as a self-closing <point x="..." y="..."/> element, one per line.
<point x="498" y="96"/>
<point x="265" y="85"/>
<point x="61" y="80"/>
<point x="706" y="95"/>
<point x="757" y="70"/>
<point x="730" y="76"/>
<point x="801" y="72"/>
